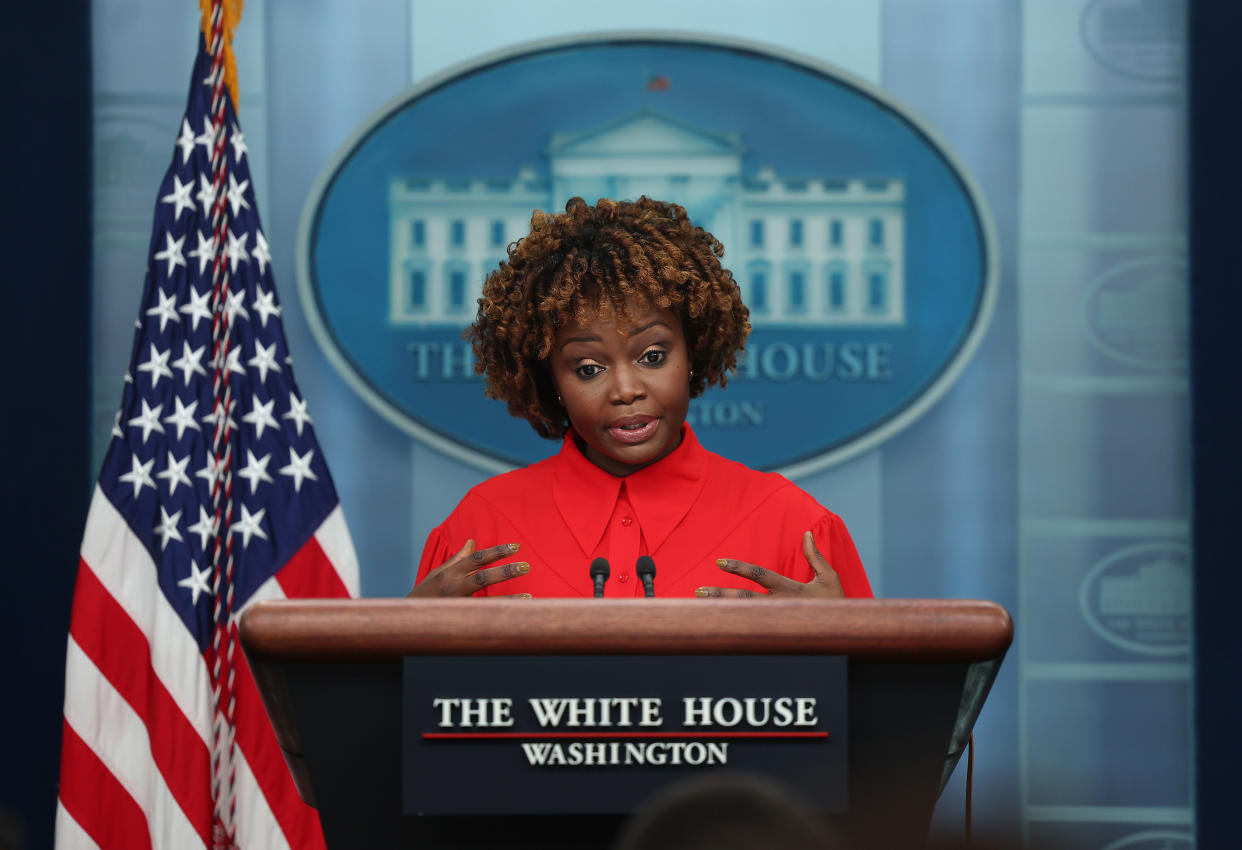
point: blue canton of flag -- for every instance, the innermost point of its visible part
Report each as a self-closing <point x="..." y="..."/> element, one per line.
<point x="144" y="640"/>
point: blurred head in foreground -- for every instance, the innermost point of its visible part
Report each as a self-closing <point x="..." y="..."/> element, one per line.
<point x="726" y="811"/>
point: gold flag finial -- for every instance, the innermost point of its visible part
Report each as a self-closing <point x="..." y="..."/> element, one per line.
<point x="231" y="12"/>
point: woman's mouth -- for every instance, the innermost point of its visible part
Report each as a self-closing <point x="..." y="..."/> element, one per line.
<point x="633" y="429"/>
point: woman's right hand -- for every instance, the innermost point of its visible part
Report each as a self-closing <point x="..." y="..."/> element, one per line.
<point x="463" y="574"/>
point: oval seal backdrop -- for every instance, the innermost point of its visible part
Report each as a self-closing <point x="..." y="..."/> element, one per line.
<point x="862" y="247"/>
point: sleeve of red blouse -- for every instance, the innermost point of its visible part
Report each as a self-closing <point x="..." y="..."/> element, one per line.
<point x="438" y="549"/>
<point x="435" y="552"/>
<point x="835" y="544"/>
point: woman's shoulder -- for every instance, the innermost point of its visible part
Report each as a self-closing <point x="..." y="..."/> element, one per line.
<point x="758" y="486"/>
<point x="498" y="505"/>
<point x="516" y="483"/>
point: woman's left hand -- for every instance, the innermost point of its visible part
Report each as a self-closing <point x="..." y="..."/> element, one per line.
<point x="825" y="585"/>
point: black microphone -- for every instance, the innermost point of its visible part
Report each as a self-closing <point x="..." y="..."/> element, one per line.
<point x="646" y="571"/>
<point x="599" y="575"/>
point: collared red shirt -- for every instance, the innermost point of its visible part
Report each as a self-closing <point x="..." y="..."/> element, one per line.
<point x="685" y="511"/>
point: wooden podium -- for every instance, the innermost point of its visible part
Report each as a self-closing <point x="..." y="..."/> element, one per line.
<point x="330" y="672"/>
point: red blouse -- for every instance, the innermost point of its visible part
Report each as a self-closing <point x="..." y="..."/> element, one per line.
<point x="685" y="511"/>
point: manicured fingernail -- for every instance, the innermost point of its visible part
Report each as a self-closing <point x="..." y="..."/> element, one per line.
<point x="700" y="592"/>
<point x="524" y="596"/>
<point x="513" y="547"/>
<point x="522" y="567"/>
<point x="722" y="562"/>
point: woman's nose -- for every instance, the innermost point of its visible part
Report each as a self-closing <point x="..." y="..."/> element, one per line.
<point x="627" y="385"/>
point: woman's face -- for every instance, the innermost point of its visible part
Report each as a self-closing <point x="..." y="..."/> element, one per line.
<point x="626" y="389"/>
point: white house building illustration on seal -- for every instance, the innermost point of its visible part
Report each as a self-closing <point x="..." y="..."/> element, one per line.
<point x="807" y="251"/>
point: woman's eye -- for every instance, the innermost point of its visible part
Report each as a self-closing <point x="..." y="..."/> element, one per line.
<point x="653" y="357"/>
<point x="589" y="370"/>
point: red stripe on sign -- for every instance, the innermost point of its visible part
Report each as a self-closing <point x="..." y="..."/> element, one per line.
<point x="309" y="574"/>
<point x="96" y="800"/>
<point x="298" y="821"/>
<point x="111" y="639"/>
<point x="539" y="736"/>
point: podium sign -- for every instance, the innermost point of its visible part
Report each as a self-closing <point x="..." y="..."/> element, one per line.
<point x="596" y="735"/>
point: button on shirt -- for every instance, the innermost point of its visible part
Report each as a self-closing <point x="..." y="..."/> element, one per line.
<point x="685" y="511"/>
<point x="622" y="543"/>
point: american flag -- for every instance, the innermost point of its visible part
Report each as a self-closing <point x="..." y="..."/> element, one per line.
<point x="213" y="494"/>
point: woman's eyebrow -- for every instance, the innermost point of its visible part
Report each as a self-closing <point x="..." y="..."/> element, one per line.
<point x="633" y="332"/>
<point x="649" y="326"/>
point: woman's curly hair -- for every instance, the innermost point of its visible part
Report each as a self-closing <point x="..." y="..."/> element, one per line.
<point x="600" y="262"/>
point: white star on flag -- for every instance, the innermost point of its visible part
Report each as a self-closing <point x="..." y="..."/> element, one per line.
<point x="238" y="141"/>
<point x="234" y="306"/>
<point x="204" y="528"/>
<point x="210" y="472"/>
<point x="196" y="582"/>
<point x="185" y="141"/>
<point x="255" y="470"/>
<point x="197" y="308"/>
<point x="206" y="195"/>
<point x="204" y="253"/>
<point x="171" y="253"/>
<point x="208" y="136"/>
<point x="183" y="417"/>
<point x="166" y="309"/>
<point x="235" y="250"/>
<point x="298" y="468"/>
<point x="232" y="361"/>
<point x="265" y="304"/>
<point x="139" y="475"/>
<point x="260" y="416"/>
<point x="167" y="529"/>
<point x="260" y="252"/>
<point x="157" y="365"/>
<point x="249" y="525"/>
<point x="236" y="199"/>
<point x="297" y="412"/>
<point x="190" y="362"/>
<point x="263" y="360"/>
<point x="174" y="473"/>
<point x="148" y="421"/>
<point x="179" y="197"/>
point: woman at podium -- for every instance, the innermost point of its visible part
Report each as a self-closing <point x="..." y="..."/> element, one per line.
<point x="598" y="330"/>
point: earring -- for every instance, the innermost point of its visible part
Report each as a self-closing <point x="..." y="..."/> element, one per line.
<point x="560" y="401"/>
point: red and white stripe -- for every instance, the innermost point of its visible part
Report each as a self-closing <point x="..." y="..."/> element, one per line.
<point x="135" y="761"/>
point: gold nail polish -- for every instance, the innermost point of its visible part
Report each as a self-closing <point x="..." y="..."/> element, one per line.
<point x="722" y="562"/>
<point x="522" y="567"/>
<point x="700" y="592"/>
